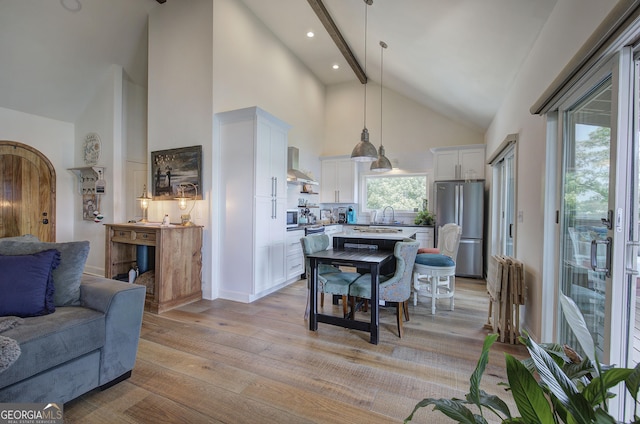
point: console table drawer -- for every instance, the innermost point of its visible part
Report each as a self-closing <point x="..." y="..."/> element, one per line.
<point x="135" y="237"/>
<point x="149" y="237"/>
<point x="122" y="235"/>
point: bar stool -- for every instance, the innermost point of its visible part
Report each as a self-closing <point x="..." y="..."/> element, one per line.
<point x="434" y="273"/>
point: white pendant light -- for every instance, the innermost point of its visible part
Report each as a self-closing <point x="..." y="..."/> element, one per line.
<point x="382" y="164"/>
<point x="364" y="150"/>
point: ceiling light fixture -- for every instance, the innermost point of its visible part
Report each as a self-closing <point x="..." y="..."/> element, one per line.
<point x="364" y="150"/>
<point x="381" y="164"/>
<point x="310" y="34"/>
<point x="336" y="66"/>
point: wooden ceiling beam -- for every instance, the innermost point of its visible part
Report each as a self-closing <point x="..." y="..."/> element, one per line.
<point x="326" y="19"/>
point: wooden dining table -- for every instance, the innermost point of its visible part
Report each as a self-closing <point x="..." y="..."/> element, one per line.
<point x="370" y="259"/>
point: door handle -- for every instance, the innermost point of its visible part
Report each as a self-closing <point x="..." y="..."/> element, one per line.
<point x="608" y="221"/>
<point x="630" y="268"/>
<point x="594" y="256"/>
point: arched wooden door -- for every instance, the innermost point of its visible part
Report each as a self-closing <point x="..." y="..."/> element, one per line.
<point x="27" y="192"/>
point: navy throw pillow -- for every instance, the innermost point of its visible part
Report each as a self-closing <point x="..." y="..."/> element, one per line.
<point x="26" y="283"/>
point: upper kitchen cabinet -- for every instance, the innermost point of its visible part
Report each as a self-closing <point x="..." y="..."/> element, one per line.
<point x="253" y="171"/>
<point x="339" y="181"/>
<point x="459" y="163"/>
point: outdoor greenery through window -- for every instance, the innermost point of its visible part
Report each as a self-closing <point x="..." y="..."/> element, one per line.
<point x="404" y="193"/>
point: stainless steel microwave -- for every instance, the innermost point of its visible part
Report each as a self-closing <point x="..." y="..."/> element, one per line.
<point x="292" y="218"/>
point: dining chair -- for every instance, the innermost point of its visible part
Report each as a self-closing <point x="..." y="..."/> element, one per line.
<point x="396" y="288"/>
<point x="434" y="273"/>
<point x="331" y="279"/>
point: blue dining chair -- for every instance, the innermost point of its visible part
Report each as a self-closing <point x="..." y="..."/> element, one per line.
<point x="331" y="279"/>
<point x="394" y="289"/>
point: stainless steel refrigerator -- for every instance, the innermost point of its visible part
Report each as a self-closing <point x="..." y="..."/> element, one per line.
<point x="463" y="203"/>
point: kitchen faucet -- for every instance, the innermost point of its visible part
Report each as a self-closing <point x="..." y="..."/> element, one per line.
<point x="393" y="214"/>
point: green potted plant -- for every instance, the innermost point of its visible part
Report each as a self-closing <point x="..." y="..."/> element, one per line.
<point x="424" y="217"/>
<point x="553" y="386"/>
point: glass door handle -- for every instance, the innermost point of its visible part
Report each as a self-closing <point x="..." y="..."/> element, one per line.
<point x="631" y="258"/>
<point x="594" y="256"/>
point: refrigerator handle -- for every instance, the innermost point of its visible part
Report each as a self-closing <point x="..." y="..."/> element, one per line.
<point x="461" y="205"/>
<point x="456" y="212"/>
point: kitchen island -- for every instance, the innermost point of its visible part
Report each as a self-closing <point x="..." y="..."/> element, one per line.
<point x="383" y="238"/>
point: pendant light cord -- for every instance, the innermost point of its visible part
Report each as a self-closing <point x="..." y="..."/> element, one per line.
<point x="383" y="46"/>
<point x="365" y="60"/>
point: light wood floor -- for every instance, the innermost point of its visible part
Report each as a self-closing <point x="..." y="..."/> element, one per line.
<point x="226" y="362"/>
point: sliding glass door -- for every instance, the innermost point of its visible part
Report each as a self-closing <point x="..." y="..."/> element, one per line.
<point x="585" y="221"/>
<point x="598" y="213"/>
<point x="504" y="198"/>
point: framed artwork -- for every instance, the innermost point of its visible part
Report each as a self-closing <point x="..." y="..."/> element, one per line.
<point x="170" y="168"/>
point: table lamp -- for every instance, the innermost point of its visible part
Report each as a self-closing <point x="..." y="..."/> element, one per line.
<point x="144" y="203"/>
<point x="183" y="200"/>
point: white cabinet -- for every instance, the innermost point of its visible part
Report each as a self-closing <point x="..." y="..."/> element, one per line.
<point x="253" y="193"/>
<point x="295" y="256"/>
<point x="330" y="230"/>
<point x="425" y="235"/>
<point x="459" y="163"/>
<point x="339" y="181"/>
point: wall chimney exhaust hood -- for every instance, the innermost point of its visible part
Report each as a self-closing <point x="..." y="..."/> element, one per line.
<point x="294" y="175"/>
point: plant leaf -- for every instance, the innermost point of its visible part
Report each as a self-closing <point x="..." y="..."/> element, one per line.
<point x="474" y="387"/>
<point x="578" y="326"/>
<point x="596" y="391"/>
<point x="451" y="408"/>
<point x="495" y="404"/>
<point x="633" y="382"/>
<point x="559" y="384"/>
<point x="529" y="397"/>
<point x="602" y="417"/>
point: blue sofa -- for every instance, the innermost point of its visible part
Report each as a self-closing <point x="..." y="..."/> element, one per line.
<point x="88" y="340"/>
<point x="77" y="348"/>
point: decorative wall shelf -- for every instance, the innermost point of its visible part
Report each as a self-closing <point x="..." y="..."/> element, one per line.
<point x="87" y="178"/>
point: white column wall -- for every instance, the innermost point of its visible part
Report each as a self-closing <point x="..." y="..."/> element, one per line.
<point x="570" y="24"/>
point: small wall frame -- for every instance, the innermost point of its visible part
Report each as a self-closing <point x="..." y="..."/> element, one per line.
<point x="172" y="167"/>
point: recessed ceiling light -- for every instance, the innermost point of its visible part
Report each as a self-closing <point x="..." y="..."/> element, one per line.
<point x="310" y="34"/>
<point x="336" y="66"/>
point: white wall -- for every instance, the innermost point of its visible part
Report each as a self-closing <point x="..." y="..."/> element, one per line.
<point x="210" y="56"/>
<point x="409" y="129"/>
<point x="570" y="24"/>
<point x="252" y="68"/>
<point x="103" y="115"/>
<point x="54" y="139"/>
<point x="179" y="101"/>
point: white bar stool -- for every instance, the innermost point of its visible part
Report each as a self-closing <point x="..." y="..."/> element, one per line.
<point x="434" y="276"/>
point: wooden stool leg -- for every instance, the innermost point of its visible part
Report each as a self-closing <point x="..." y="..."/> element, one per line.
<point x="399" y="313"/>
<point x="406" y="311"/>
<point x="344" y="306"/>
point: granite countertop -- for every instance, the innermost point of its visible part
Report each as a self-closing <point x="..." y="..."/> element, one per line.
<point x="399" y="225"/>
<point x="378" y="233"/>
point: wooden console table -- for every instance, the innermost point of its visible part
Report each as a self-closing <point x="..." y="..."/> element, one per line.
<point x="175" y="253"/>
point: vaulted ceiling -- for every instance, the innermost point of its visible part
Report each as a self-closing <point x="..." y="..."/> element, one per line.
<point x="457" y="57"/>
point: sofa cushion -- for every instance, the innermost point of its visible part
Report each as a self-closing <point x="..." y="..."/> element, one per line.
<point x="47" y="341"/>
<point x="26" y="283"/>
<point x="67" y="276"/>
